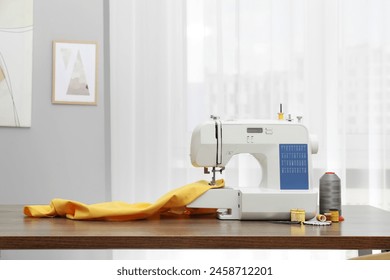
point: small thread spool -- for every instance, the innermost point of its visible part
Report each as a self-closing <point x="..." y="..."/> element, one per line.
<point x="297" y="215"/>
<point x="281" y="114"/>
<point x="321" y="218"/>
<point x="334" y="215"/>
<point x="330" y="193"/>
<point x="328" y="216"/>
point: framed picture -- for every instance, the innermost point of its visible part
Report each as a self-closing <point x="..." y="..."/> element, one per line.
<point x="16" y="56"/>
<point x="74" y="72"/>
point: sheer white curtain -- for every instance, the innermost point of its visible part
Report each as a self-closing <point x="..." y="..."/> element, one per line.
<point x="148" y="100"/>
<point x="175" y="62"/>
<point x="357" y="87"/>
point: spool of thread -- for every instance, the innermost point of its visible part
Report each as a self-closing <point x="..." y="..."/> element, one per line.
<point x="328" y="216"/>
<point x="330" y="193"/>
<point x="321" y="218"/>
<point x="297" y="215"/>
<point x="334" y="215"/>
<point x="281" y="114"/>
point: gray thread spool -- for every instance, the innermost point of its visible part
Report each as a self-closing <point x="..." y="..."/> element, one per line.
<point x="330" y="192"/>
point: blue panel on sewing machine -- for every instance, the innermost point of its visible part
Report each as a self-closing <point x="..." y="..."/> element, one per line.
<point x="293" y="160"/>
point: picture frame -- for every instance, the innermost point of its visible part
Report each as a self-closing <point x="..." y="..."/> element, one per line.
<point x="75" y="72"/>
<point x="16" y="62"/>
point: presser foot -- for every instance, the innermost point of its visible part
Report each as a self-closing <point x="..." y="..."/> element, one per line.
<point x="213" y="171"/>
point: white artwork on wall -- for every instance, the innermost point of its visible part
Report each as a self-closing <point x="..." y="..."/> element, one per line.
<point x="74" y="73"/>
<point x="16" y="34"/>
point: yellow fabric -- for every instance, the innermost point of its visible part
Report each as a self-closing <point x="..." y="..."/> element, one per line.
<point x="174" y="202"/>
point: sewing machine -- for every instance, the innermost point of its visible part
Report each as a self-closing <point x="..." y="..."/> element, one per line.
<point x="283" y="149"/>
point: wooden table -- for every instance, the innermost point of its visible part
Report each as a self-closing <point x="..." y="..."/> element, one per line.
<point x="365" y="227"/>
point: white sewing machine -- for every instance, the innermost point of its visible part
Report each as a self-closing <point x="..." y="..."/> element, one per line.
<point x="283" y="149"/>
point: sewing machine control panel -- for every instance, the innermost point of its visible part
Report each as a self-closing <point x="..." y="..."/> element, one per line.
<point x="293" y="162"/>
<point x="252" y="132"/>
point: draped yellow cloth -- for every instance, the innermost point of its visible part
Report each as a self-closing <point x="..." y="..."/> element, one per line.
<point x="173" y="202"/>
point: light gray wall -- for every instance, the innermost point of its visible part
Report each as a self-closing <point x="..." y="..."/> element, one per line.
<point x="65" y="153"/>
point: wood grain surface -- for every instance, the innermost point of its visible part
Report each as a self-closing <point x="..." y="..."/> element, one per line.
<point x="365" y="227"/>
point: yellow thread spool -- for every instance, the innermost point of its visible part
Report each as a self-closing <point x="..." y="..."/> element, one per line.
<point x="334" y="215"/>
<point x="281" y="114"/>
<point x="297" y="215"/>
<point x="321" y="218"/>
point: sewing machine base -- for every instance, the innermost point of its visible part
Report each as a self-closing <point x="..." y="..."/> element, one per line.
<point x="257" y="204"/>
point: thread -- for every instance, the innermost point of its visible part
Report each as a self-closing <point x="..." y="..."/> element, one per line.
<point x="321" y="218"/>
<point x="297" y="215"/>
<point x="330" y="193"/>
<point x="334" y="215"/>
<point x="280" y="114"/>
<point x="328" y="216"/>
